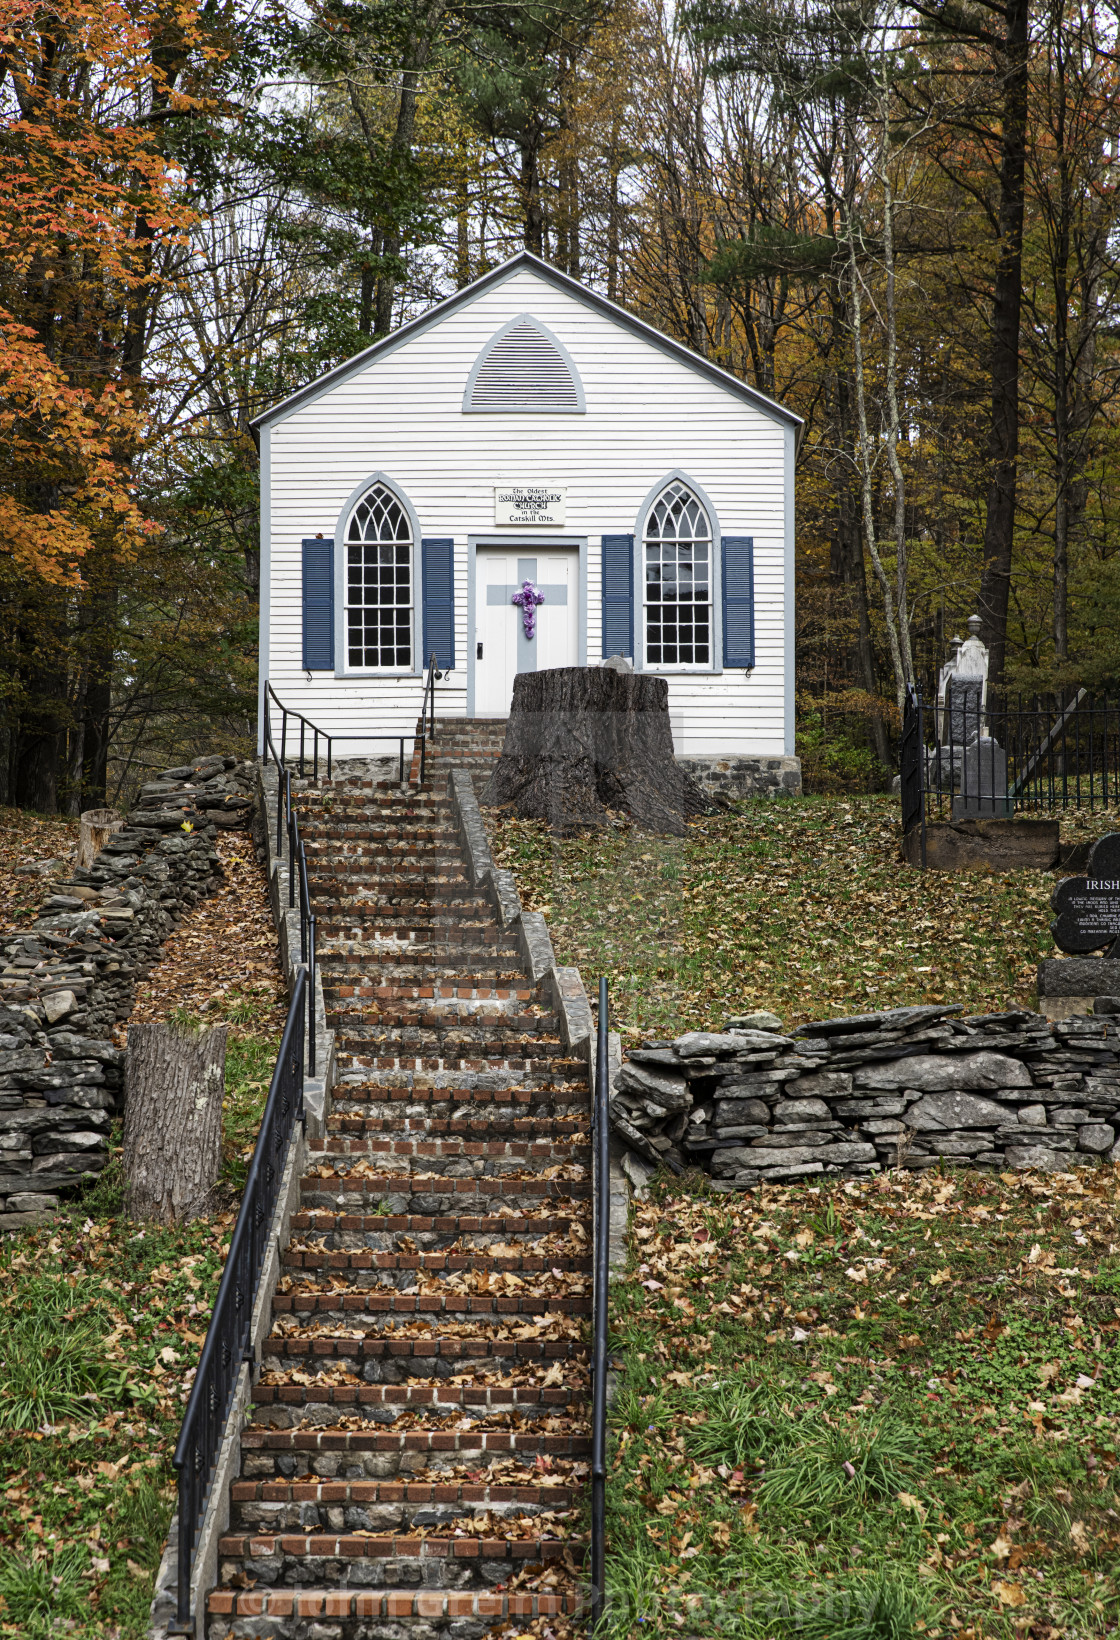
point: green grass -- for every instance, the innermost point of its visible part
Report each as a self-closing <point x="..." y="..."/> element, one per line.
<point x="101" y="1324"/>
<point x="797" y="905"/>
<point x="883" y="1410"/>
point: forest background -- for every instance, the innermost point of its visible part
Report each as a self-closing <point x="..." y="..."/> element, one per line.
<point x="901" y="220"/>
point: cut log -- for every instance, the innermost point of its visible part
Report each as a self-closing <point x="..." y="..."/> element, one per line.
<point x="95" y="827"/>
<point x="582" y="740"/>
<point x="172" y="1149"/>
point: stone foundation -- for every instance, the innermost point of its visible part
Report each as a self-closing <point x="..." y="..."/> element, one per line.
<point x="737" y="777"/>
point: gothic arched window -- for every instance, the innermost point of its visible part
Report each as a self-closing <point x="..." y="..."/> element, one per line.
<point x="677" y="554"/>
<point x="379" y="597"/>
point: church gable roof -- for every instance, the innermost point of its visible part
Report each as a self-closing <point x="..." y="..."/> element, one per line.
<point x="525" y="261"/>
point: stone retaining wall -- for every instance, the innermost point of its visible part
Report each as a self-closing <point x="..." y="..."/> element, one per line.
<point x="68" y="978"/>
<point x="907" y="1087"/>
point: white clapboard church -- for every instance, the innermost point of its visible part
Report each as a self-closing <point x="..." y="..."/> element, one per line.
<point x="528" y="439"/>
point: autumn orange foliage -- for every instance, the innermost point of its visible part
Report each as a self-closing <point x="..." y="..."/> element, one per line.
<point x="84" y="194"/>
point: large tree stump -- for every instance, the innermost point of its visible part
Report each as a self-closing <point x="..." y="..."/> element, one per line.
<point x="584" y="739"/>
<point x="95" y="827"/>
<point x="174" y="1083"/>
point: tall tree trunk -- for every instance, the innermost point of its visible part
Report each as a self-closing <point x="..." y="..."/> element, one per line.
<point x="1003" y="439"/>
<point x="532" y="205"/>
<point x="462" y="236"/>
<point x="613" y="208"/>
<point x="417" y="53"/>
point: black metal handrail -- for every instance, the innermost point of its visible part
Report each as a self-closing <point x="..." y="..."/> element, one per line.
<point x="299" y="887"/>
<point x="428" y="704"/>
<point x="600" y="1129"/>
<point x="305" y="725"/>
<point x="228" y="1342"/>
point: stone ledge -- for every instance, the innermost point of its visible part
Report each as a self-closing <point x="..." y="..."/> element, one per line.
<point x="985" y="845"/>
<point x="1081" y="977"/>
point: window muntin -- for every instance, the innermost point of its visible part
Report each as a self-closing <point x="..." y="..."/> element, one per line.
<point x="678" y="581"/>
<point x="379" y="617"/>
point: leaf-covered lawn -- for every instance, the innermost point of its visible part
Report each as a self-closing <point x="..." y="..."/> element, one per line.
<point x="874" y="1410"/>
<point x="102" y="1319"/>
<point x="800" y="906"/>
<point x="26" y="840"/>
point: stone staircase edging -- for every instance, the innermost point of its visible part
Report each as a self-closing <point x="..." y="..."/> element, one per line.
<point x="564" y="985"/>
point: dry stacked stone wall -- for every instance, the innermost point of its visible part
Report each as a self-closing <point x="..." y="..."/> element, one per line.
<point x="66" y="980"/>
<point x="907" y="1087"/>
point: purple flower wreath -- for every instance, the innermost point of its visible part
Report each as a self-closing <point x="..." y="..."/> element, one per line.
<point x="528" y="598"/>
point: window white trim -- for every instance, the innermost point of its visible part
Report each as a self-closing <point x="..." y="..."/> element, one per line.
<point x="704" y="669"/>
<point x="342" y="667"/>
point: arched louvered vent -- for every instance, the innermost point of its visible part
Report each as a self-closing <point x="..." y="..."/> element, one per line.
<point x="524" y="367"/>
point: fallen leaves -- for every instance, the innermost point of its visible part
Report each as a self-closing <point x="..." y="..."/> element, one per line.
<point x="783" y="906"/>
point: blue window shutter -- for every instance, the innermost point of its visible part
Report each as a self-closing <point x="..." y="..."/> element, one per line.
<point x="318" y="604"/>
<point x="618" y="595"/>
<point x="438" y="570"/>
<point x="738" y="600"/>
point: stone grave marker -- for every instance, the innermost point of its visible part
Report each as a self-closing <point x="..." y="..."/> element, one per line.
<point x="1088" y="908"/>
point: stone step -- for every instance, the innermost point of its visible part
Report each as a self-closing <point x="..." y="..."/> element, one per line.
<point x="354" y="1560"/>
<point x="436" y="1194"/>
<point x="396" y="1614"/>
<point x="380" y="1307"/>
<point x="425" y="1022"/>
<point x="397" y="1358"/>
<point x="434" y="993"/>
<point x="411" y="1233"/>
<point x="388" y="1267"/>
<point x="437" y="1150"/>
<point x="423" y="910"/>
<point x="387" y="1505"/>
<point x="410" y="1452"/>
<point x="287" y="1401"/>
<point x="390" y="1105"/>
<point x="436" y="936"/>
<point x="502" y="1085"/>
<point x="457" y="1048"/>
<point x="501" y="1125"/>
<point x="394" y="961"/>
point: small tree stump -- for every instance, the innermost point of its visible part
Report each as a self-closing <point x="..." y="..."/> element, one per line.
<point x="174" y="1083"/>
<point x="584" y="739"/>
<point x="95" y="827"/>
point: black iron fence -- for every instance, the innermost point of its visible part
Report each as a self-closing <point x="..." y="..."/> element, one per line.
<point x="978" y="754"/>
<point x="228" y="1342"/>
<point x="600" y="1130"/>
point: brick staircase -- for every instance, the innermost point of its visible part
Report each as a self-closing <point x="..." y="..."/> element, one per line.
<point x="470" y="743"/>
<point x="418" y="1447"/>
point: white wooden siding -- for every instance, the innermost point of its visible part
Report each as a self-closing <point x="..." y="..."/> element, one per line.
<point x="647" y="415"/>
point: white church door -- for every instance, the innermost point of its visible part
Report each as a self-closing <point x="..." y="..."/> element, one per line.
<point x="502" y="647"/>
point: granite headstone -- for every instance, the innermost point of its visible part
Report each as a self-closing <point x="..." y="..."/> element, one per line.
<point x="1088" y="908"/>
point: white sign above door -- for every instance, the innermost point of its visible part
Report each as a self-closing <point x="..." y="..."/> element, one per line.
<point x="529" y="504"/>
